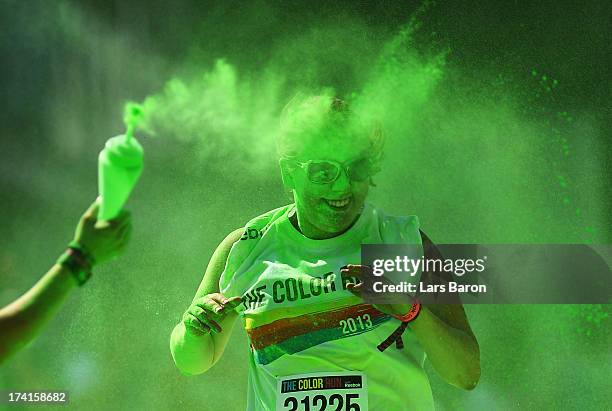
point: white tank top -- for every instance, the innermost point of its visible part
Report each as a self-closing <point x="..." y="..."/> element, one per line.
<point x="300" y="319"/>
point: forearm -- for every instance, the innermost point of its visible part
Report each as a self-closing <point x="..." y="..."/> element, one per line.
<point x="195" y="353"/>
<point x="454" y="353"/>
<point x="21" y="320"/>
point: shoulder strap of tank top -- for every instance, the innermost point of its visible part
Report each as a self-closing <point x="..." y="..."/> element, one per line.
<point x="254" y="231"/>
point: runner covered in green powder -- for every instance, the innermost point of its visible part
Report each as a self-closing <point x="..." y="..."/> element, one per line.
<point x="290" y="276"/>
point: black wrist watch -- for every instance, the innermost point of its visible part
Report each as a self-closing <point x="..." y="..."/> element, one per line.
<point x="78" y="262"/>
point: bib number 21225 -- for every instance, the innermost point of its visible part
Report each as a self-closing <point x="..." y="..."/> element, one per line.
<point x="323" y="392"/>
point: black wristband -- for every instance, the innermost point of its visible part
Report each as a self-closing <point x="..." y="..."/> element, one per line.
<point x="78" y="263"/>
<point x="396" y="337"/>
<point x="74" y="245"/>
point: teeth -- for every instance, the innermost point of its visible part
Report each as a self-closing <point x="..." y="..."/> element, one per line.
<point x="339" y="203"/>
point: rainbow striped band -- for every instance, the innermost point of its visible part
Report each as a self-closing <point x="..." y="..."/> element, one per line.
<point x="291" y="335"/>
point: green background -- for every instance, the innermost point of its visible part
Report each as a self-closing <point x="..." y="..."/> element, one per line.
<point x="498" y="132"/>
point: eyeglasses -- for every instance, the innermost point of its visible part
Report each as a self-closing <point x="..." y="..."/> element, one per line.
<point x="328" y="171"/>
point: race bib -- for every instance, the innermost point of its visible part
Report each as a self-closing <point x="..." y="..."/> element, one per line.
<point x="324" y="391"/>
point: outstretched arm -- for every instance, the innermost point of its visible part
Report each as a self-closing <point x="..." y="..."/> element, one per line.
<point x="23" y="319"/>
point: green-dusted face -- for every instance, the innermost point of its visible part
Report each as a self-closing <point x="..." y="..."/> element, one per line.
<point x="326" y="209"/>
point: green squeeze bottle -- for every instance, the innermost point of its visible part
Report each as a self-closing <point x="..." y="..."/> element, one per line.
<point x="119" y="167"/>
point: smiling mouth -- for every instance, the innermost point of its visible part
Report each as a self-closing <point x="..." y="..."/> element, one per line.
<point x="341" y="204"/>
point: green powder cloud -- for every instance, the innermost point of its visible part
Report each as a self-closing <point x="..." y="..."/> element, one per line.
<point x="454" y="135"/>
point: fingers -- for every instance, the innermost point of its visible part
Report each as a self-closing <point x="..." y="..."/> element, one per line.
<point x="225" y="303"/>
<point x="91" y="214"/>
<point x="358" y="271"/>
<point x="218" y="298"/>
<point x="356" y="289"/>
<point x="214" y="326"/>
<point x="352" y="270"/>
<point x="206" y="319"/>
<point x="124" y="218"/>
<point x="217" y="303"/>
<point x="212" y="303"/>
<point x="208" y="310"/>
<point x="355" y="270"/>
<point x="191" y="321"/>
<point x="211" y="308"/>
<point x="120" y="227"/>
<point x="233" y="302"/>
